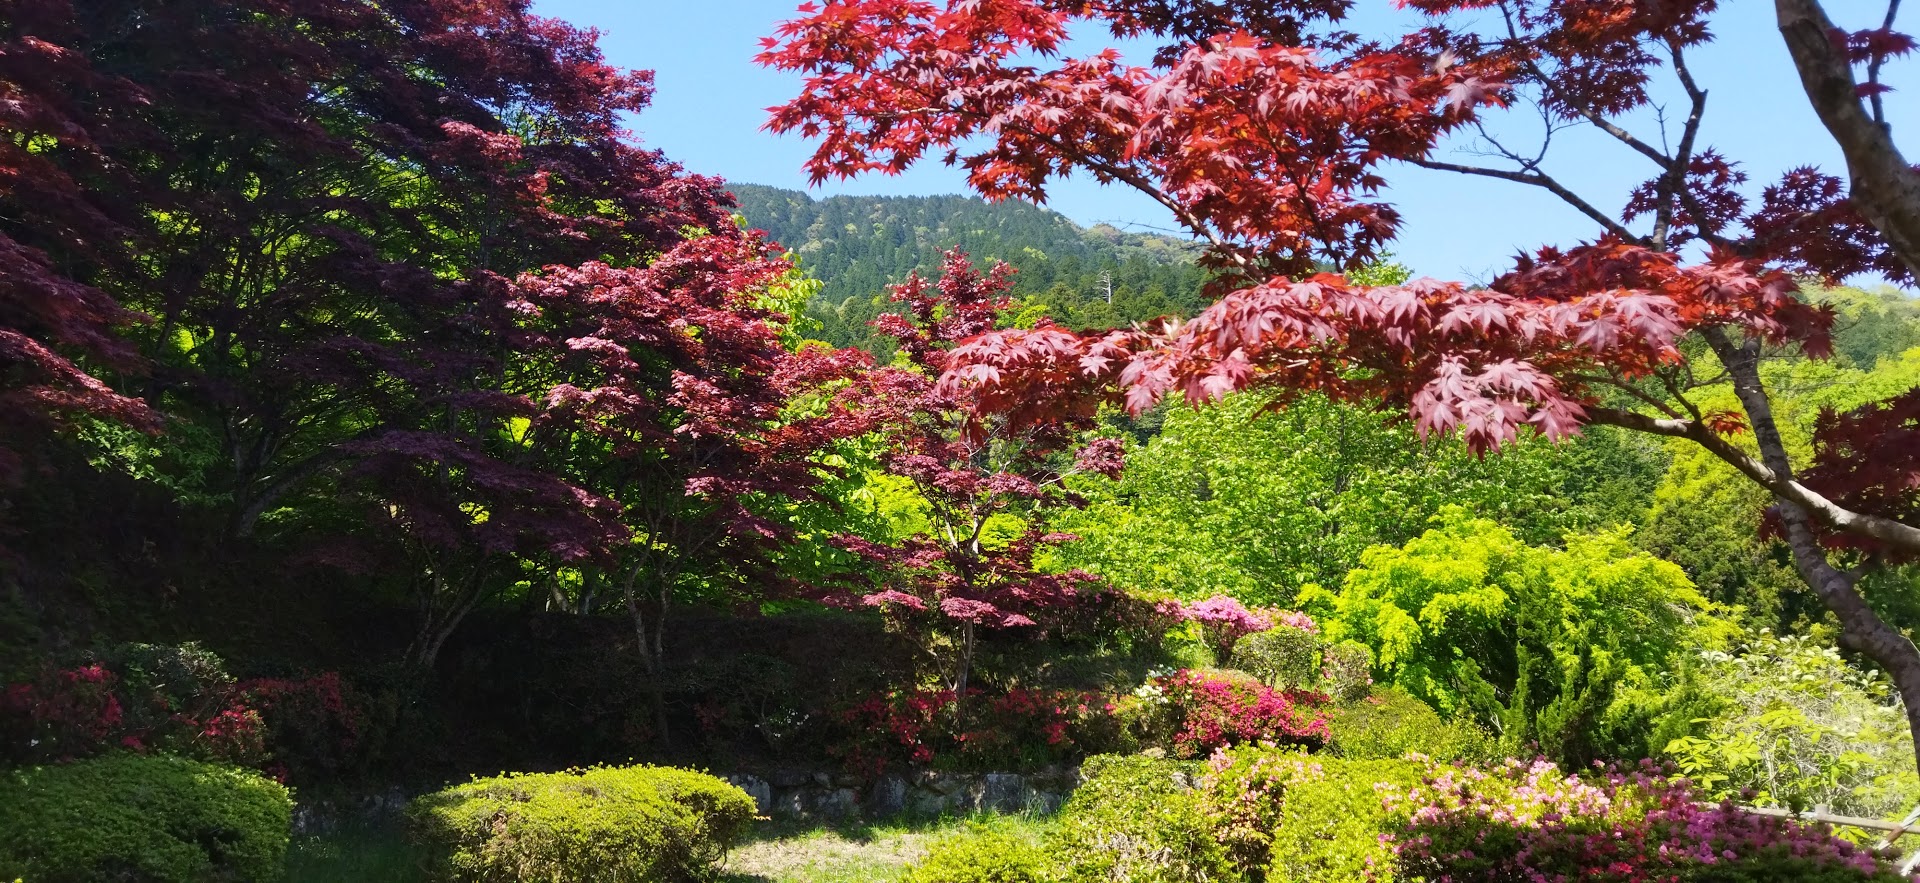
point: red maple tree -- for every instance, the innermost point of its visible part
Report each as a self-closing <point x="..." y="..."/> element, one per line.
<point x="1268" y="131"/>
<point x="971" y="463"/>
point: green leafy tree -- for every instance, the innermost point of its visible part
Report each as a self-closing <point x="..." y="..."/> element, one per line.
<point x="1795" y="725"/>
<point x="1563" y="649"/>
<point x="1254" y="502"/>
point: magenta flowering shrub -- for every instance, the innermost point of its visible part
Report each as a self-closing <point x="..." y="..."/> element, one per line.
<point x="1212" y="710"/>
<point x="1223" y="622"/>
<point x="1532" y="822"/>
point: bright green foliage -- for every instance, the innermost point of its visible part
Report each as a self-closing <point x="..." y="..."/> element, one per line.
<point x="1283" y="657"/>
<point x="1872" y="324"/>
<point x="636" y="824"/>
<point x="1388" y="724"/>
<point x="148" y="818"/>
<point x="1798" y="726"/>
<point x="1704" y="518"/>
<point x="1239" y="500"/>
<point x="1297" y="818"/>
<point x="985" y="852"/>
<point x="1565" y="649"/>
<point x="1137" y="820"/>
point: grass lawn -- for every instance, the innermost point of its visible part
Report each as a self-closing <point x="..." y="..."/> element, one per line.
<point x="773" y="852"/>
<point x="788" y="852"/>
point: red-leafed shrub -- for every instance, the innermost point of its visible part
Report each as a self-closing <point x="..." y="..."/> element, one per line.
<point x="62" y="714"/>
<point x="1012" y="730"/>
<point x="180" y="700"/>
<point x="314" y="727"/>
<point x="1213" y="710"/>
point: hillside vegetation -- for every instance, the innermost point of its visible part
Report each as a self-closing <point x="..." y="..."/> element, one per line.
<point x="858" y="245"/>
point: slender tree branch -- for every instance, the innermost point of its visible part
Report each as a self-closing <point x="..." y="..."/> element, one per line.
<point x="1675" y="180"/>
<point x="1543" y="181"/>
<point x="1873" y="67"/>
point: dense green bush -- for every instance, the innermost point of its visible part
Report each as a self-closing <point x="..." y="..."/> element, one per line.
<point x="1137" y="820"/>
<point x="139" y="818"/>
<point x="1787" y="722"/>
<point x="1348" y="669"/>
<point x="641" y="824"/>
<point x="983" y="853"/>
<point x="1288" y="816"/>
<point x="1563" y="651"/>
<point x="1283" y="656"/>
<point x="1387" y="723"/>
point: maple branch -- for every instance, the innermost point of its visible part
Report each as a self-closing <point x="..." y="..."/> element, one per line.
<point x="1787" y="490"/>
<point x="1619" y="383"/>
<point x="1873" y="67"/>
<point x="1675" y="180"/>
<point x="1139" y="182"/>
<point x="1541" y="180"/>
<point x="1883" y="187"/>
<point x="1586" y="113"/>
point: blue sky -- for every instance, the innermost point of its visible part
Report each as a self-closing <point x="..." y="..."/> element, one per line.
<point x="712" y="98"/>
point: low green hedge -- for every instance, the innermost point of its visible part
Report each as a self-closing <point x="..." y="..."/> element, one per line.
<point x="1137" y="820"/>
<point x="1388" y="723"/>
<point x="609" y="824"/>
<point x="152" y="819"/>
<point x="984" y="852"/>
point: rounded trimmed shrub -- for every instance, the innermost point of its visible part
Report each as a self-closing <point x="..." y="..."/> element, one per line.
<point x="154" y="819"/>
<point x="1388" y="723"/>
<point x="983" y="853"/>
<point x="1137" y="820"/>
<point x="1283" y="656"/>
<point x="612" y="824"/>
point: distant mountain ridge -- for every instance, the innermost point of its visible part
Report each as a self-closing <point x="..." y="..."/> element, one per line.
<point x="1082" y="277"/>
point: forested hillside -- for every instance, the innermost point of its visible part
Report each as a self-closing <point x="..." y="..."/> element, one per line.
<point x="1098" y="277"/>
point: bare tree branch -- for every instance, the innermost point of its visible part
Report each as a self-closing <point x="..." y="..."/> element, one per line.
<point x="1543" y="181"/>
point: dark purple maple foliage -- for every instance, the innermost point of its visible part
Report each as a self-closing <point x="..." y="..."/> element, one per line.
<point x="398" y="291"/>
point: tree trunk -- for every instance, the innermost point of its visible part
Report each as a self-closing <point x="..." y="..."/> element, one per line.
<point x="1861" y="629"/>
<point x="1884" y="188"/>
<point x="650" y="633"/>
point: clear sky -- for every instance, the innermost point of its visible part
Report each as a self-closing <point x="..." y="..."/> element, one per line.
<point x="712" y="99"/>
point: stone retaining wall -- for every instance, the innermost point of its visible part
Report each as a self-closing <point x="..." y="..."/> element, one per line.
<point x="793" y="793"/>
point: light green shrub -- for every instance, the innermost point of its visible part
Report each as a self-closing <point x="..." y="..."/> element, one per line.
<point x="1333" y="828"/>
<point x="1788" y="722"/>
<point x="1283" y="656"/>
<point x="983" y="853"/>
<point x="636" y="824"/>
<point x="1387" y="724"/>
<point x="1284" y="815"/>
<point x="1348" y="669"/>
<point x="1137" y="820"/>
<point x="154" y="819"/>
